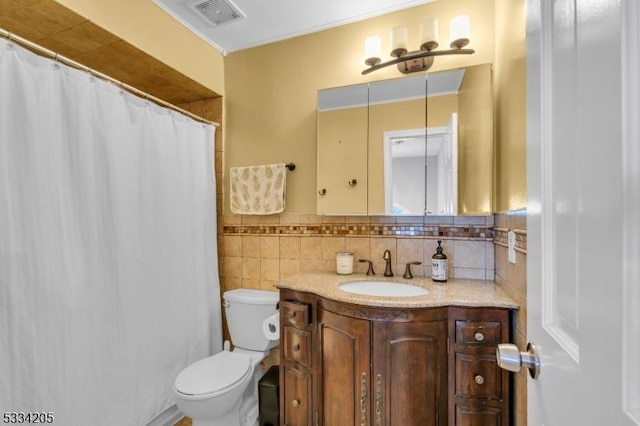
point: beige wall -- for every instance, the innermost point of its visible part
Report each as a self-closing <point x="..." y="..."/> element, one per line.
<point x="511" y="105"/>
<point x="270" y="102"/>
<point x="149" y="28"/>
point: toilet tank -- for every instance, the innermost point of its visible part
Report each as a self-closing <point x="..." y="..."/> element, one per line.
<point x="246" y="310"/>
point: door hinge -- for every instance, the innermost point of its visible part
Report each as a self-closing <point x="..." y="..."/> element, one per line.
<point x="315" y="421"/>
<point x="448" y="339"/>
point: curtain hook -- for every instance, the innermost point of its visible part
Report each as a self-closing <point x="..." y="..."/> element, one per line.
<point x="10" y="40"/>
<point x="55" y="64"/>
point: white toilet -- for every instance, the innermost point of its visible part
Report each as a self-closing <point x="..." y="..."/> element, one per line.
<point x="222" y="390"/>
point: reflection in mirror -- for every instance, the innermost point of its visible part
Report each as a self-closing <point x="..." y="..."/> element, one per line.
<point x="422" y="154"/>
<point x="418" y="164"/>
<point x="421" y="178"/>
<point x="450" y="171"/>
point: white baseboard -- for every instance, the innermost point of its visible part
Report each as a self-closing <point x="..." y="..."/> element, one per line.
<point x="168" y="417"/>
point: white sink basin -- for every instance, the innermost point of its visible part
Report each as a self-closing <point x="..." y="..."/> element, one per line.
<point x="383" y="288"/>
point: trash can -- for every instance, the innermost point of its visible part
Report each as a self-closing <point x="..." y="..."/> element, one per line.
<point x="268" y="391"/>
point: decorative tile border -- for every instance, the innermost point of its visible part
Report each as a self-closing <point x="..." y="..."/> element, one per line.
<point x="367" y="230"/>
<point x="501" y="238"/>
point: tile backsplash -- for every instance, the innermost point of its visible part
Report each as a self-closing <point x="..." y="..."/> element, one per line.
<point x="257" y="251"/>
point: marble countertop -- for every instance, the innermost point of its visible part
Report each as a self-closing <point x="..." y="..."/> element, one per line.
<point x="455" y="292"/>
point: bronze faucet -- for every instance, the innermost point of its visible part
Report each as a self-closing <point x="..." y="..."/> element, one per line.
<point x="370" y="270"/>
<point x="407" y="271"/>
<point x="387" y="270"/>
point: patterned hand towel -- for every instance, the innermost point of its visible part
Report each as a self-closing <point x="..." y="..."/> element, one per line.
<point x="258" y="189"/>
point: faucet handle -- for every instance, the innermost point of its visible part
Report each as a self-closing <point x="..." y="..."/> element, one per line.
<point x="407" y="271"/>
<point x="370" y="270"/>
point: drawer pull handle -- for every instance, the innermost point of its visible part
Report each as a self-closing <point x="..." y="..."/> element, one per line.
<point x="295" y="347"/>
<point x="292" y="314"/>
<point x="378" y="399"/>
<point x="479" y="379"/>
<point x="295" y="403"/>
<point x="479" y="336"/>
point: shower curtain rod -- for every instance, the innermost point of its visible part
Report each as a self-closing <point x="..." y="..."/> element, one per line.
<point x="40" y="49"/>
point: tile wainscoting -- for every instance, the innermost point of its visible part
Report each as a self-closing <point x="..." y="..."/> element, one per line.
<point x="513" y="279"/>
<point x="257" y="251"/>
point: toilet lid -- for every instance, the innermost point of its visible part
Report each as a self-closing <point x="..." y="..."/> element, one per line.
<point x="213" y="374"/>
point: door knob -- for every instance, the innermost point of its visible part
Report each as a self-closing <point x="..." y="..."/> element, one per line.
<point x="511" y="359"/>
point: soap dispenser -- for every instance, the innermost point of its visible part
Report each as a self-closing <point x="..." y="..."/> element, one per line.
<point x="439" y="265"/>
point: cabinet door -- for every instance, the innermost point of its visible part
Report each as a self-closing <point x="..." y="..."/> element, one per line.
<point x="410" y="373"/>
<point x="296" y="404"/>
<point x="343" y="369"/>
<point x="342" y="160"/>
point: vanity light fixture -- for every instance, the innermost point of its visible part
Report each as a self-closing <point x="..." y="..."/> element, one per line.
<point x="422" y="59"/>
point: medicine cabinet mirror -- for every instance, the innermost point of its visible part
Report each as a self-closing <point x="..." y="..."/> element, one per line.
<point x="416" y="145"/>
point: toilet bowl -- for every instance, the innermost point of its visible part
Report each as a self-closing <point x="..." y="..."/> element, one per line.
<point x="222" y="390"/>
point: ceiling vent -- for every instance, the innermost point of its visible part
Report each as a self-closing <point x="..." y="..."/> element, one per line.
<point x="218" y="12"/>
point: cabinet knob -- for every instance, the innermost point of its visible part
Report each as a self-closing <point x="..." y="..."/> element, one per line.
<point x="479" y="379"/>
<point x="479" y="336"/>
<point x="295" y="403"/>
<point x="295" y="347"/>
<point x="291" y="314"/>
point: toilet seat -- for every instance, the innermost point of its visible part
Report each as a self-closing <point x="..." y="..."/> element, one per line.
<point x="215" y="375"/>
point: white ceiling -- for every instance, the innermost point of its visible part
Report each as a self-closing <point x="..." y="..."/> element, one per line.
<point x="268" y="21"/>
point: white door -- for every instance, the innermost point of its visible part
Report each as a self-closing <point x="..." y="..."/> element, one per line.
<point x="584" y="207"/>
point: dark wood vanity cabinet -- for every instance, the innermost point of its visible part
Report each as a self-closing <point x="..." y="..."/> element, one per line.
<point x="297" y="342"/>
<point x="479" y="389"/>
<point x="374" y="366"/>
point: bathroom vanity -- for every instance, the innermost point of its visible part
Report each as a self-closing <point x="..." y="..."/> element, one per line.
<point x="362" y="360"/>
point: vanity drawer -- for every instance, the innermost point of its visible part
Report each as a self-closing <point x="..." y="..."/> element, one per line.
<point x="478" y="376"/>
<point x="295" y="397"/>
<point x="297" y="346"/>
<point x="485" y="333"/>
<point x="294" y="313"/>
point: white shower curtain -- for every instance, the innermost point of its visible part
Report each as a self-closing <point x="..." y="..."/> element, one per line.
<point x="108" y="261"/>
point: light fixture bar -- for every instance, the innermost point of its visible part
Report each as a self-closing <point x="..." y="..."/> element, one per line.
<point x="422" y="59"/>
<point x="411" y="56"/>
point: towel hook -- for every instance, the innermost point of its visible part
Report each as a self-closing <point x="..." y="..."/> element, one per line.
<point x="323" y="192"/>
<point x="352" y="183"/>
<point x="290" y="166"/>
